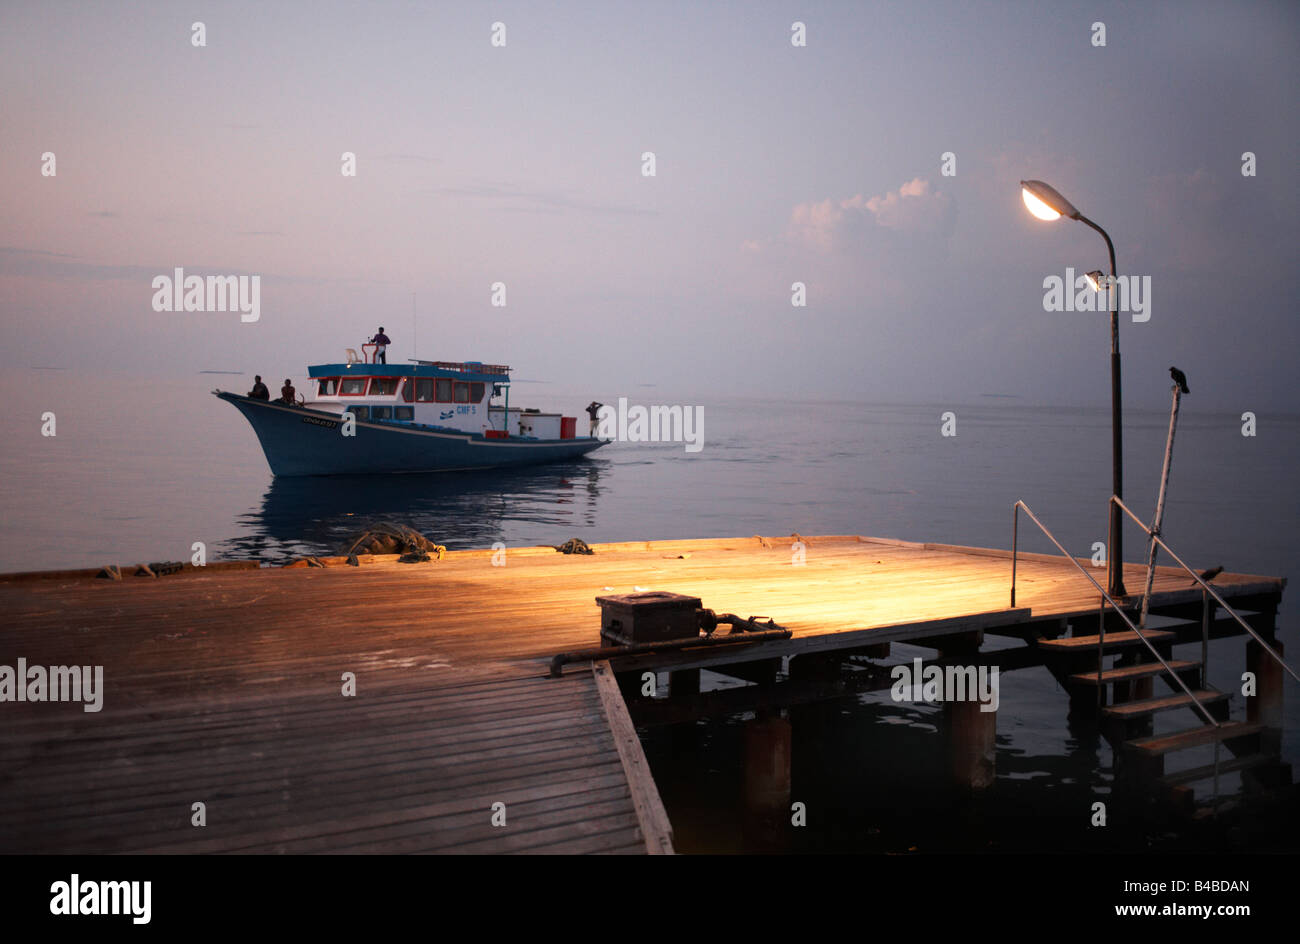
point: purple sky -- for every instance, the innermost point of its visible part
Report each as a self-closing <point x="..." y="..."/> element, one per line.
<point x="775" y="164"/>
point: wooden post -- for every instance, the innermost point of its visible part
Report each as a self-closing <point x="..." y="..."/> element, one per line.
<point x="684" y="685"/>
<point x="1160" y="507"/>
<point x="767" y="784"/>
<point x="972" y="733"/>
<point x="972" y="737"/>
<point x="1266" y="706"/>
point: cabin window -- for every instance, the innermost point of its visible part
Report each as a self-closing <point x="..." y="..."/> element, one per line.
<point x="360" y="412"/>
<point x="328" y="386"/>
<point x="381" y="412"/>
<point x="462" y="392"/>
<point x="444" y="390"/>
<point x="424" y="390"/>
<point x="383" y="386"/>
<point x="352" y="386"/>
<point x="476" y="392"/>
<point x="408" y="389"/>
<point x="404" y="413"/>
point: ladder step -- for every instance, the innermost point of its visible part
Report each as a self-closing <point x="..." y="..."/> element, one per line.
<point x="1192" y="737"/>
<point x="1149" y="706"/>
<point x="1183" y="777"/>
<point x="1115" y="640"/>
<point x="1128" y="672"/>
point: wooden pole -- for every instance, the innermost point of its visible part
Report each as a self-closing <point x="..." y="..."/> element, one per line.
<point x="1152" y="547"/>
<point x="972" y="735"/>
<point x="766" y="792"/>
<point x="1266" y="707"/>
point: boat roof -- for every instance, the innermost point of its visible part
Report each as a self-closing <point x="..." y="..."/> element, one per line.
<point x="460" y="370"/>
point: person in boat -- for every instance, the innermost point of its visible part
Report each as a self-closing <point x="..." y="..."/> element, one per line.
<point x="381" y="343"/>
<point x="259" y="391"/>
<point x="287" y="393"/>
<point x="593" y="410"/>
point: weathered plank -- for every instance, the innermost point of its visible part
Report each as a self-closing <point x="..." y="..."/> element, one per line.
<point x="650" y="810"/>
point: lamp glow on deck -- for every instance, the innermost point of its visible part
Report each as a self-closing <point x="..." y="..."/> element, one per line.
<point x="1096" y="280"/>
<point x="1038" y="207"/>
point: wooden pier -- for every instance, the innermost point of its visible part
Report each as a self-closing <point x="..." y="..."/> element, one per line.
<point x="227" y="688"/>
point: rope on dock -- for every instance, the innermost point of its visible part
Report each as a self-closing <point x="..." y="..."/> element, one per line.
<point x="385" y="538"/>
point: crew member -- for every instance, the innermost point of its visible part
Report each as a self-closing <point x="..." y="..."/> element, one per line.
<point x="381" y="343"/>
<point x="593" y="410"/>
<point x="287" y="393"/>
<point x="259" y="391"/>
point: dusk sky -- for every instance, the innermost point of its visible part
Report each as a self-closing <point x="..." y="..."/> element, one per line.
<point x="774" y="164"/>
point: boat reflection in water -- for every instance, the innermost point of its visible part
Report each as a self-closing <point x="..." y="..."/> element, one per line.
<point x="320" y="515"/>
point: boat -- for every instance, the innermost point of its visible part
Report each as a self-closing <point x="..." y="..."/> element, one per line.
<point x="425" y="416"/>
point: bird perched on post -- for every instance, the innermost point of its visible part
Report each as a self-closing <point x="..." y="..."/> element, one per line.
<point x="1179" y="378"/>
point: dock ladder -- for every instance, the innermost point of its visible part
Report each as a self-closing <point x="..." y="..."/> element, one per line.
<point x="1127" y="716"/>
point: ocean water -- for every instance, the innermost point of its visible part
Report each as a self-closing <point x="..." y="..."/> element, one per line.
<point x="140" y="468"/>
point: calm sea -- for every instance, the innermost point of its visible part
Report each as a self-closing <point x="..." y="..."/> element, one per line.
<point x="142" y="468"/>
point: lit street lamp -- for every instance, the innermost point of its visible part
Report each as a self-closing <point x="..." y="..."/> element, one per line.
<point x="1045" y="203"/>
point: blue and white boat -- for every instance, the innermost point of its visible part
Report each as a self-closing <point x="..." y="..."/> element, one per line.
<point x="426" y="416"/>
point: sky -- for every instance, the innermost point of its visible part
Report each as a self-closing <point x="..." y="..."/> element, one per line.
<point x="774" y="164"/>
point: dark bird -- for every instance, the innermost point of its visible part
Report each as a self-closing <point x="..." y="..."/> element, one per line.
<point x="1209" y="575"/>
<point x="1179" y="378"/>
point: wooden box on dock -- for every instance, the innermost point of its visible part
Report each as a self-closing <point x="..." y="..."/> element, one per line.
<point x="653" y="616"/>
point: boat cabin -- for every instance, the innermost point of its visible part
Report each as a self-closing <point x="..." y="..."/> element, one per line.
<point x="451" y="395"/>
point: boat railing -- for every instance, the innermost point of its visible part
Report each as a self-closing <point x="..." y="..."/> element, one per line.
<point x="463" y="367"/>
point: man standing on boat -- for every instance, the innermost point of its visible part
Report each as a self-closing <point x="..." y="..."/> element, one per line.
<point x="593" y="410"/>
<point x="259" y="391"/>
<point x="381" y="343"/>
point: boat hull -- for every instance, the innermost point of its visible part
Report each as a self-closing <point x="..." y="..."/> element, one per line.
<point x="302" y="441"/>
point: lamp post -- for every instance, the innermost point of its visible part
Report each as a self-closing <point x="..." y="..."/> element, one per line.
<point x="1045" y="203"/>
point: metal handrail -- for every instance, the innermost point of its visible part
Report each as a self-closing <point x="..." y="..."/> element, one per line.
<point x="1205" y="587"/>
<point x="1106" y="596"/>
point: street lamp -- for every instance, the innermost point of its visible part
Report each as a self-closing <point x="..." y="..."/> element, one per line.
<point x="1045" y="203"/>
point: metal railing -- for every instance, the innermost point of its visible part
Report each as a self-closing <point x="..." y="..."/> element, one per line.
<point x="1106" y="598"/>
<point x="1206" y="589"/>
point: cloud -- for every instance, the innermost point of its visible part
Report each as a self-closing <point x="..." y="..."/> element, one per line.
<point x="911" y="210"/>
<point x="868" y="250"/>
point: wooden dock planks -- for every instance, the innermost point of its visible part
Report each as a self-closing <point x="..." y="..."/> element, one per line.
<point x="223" y="687"/>
<point x="396" y="770"/>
